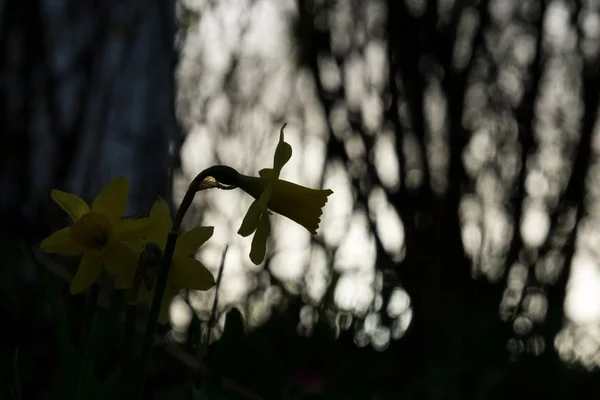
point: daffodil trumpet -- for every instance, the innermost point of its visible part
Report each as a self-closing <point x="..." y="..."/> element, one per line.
<point x="301" y="204"/>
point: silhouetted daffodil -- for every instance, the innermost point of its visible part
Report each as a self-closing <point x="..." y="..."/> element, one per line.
<point x="98" y="233"/>
<point x="185" y="272"/>
<point x="300" y="204"/>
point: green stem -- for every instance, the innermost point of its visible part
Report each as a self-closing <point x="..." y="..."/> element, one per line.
<point x="227" y="175"/>
<point x="88" y="323"/>
<point x="148" y="340"/>
<point x="130" y="319"/>
<point x="223" y="174"/>
<point x="203" y="348"/>
<point x="213" y="314"/>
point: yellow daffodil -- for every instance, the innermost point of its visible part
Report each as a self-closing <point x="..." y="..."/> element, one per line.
<point x="300" y="204"/>
<point x="185" y="272"/>
<point x="98" y="233"/>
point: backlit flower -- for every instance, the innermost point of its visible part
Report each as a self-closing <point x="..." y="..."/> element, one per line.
<point x="300" y="204"/>
<point x="185" y="272"/>
<point x="97" y="233"/>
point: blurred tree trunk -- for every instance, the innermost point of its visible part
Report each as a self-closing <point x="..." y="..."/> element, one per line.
<point x="86" y="93"/>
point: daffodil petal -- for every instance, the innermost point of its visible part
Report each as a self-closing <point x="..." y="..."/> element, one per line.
<point x="112" y="200"/>
<point x="135" y="245"/>
<point x="265" y="197"/>
<point x="283" y="153"/>
<point x="70" y="203"/>
<point x="121" y="261"/>
<point x="266" y="173"/>
<point x="87" y="273"/>
<point x="160" y="213"/>
<point x="250" y="221"/>
<point x="189" y="273"/>
<point x="259" y="241"/>
<point x="160" y="223"/>
<point x="60" y="242"/>
<point x="148" y="297"/>
<point x="131" y="228"/>
<point x="189" y="242"/>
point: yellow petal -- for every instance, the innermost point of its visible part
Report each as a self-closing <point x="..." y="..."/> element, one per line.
<point x="160" y="223"/>
<point x="283" y="153"/>
<point x="266" y="173"/>
<point x="161" y="214"/>
<point x="112" y="200"/>
<point x="189" y="273"/>
<point x="121" y="261"/>
<point x="87" y="273"/>
<point x="148" y="297"/>
<point x="136" y="245"/>
<point x="131" y="228"/>
<point x="259" y="241"/>
<point x="265" y="197"/>
<point x="250" y="221"/>
<point x="60" y="242"/>
<point x="71" y="204"/>
<point x="189" y="242"/>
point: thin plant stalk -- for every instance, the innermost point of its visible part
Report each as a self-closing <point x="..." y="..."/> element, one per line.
<point x="213" y="314"/>
<point x="88" y="323"/>
<point x="152" y="321"/>
<point x="203" y="348"/>
<point x="130" y="320"/>
<point x="197" y="185"/>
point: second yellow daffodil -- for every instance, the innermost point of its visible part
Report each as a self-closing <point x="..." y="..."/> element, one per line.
<point x="185" y="271"/>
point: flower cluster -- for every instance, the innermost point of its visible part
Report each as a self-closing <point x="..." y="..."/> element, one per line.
<point x="109" y="241"/>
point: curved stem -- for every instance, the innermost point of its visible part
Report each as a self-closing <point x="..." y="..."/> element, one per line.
<point x="223" y="175"/>
<point x="159" y="290"/>
<point x="226" y="178"/>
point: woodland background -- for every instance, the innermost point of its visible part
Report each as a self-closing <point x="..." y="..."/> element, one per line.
<point x="458" y="257"/>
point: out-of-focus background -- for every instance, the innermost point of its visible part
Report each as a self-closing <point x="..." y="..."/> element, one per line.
<point x="458" y="257"/>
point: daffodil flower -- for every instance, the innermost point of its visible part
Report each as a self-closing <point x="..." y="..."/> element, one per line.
<point x="300" y="204"/>
<point x="97" y="233"/>
<point x="185" y="272"/>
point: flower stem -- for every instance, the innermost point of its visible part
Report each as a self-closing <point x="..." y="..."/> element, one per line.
<point x="128" y="348"/>
<point x="163" y="273"/>
<point x="223" y="175"/>
<point x="130" y="320"/>
<point x="159" y="290"/>
<point x="213" y="314"/>
<point x="88" y="323"/>
<point x="202" y="353"/>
